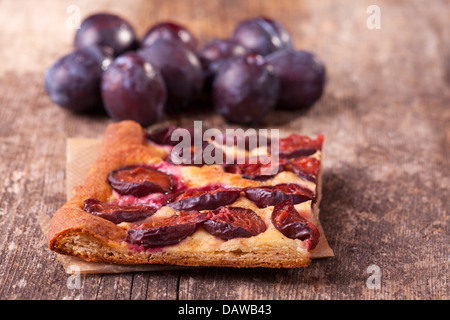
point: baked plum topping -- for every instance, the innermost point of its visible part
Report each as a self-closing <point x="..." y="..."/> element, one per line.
<point x="213" y="55"/>
<point x="290" y="223"/>
<point x="305" y="167"/>
<point x="262" y="35"/>
<point x="171" y="31"/>
<point x="167" y="136"/>
<point x="163" y="136"/>
<point x="233" y="222"/>
<point x="295" y="146"/>
<point x="165" y="232"/>
<point x="205" y="154"/>
<point x="245" y="142"/>
<point x="272" y="195"/>
<point x="139" y="181"/>
<point x="204" y="200"/>
<point x="118" y="213"/>
<point x="106" y="30"/>
<point x="255" y="171"/>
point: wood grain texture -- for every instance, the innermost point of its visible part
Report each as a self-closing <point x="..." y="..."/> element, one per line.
<point x="385" y="115"/>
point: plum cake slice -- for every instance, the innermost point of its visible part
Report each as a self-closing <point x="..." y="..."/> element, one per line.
<point x="137" y="206"/>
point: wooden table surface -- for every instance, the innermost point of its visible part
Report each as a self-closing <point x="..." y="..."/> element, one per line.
<point x="385" y="115"/>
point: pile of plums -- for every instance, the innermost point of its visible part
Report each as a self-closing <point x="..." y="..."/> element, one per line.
<point x="244" y="77"/>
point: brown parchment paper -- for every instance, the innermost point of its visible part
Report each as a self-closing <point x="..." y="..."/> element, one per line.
<point x="81" y="155"/>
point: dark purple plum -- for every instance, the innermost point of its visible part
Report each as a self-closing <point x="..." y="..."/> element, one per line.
<point x="139" y="181"/>
<point x="73" y="82"/>
<point x="180" y="69"/>
<point x="245" y="89"/>
<point x="214" y="53"/>
<point x="118" y="213"/>
<point x="262" y="35"/>
<point x="106" y="29"/>
<point x="169" y="30"/>
<point x="272" y="195"/>
<point x="165" y="232"/>
<point x="289" y="222"/>
<point x="302" y="78"/>
<point x="204" y="200"/>
<point x="133" y="89"/>
<point x="233" y="222"/>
